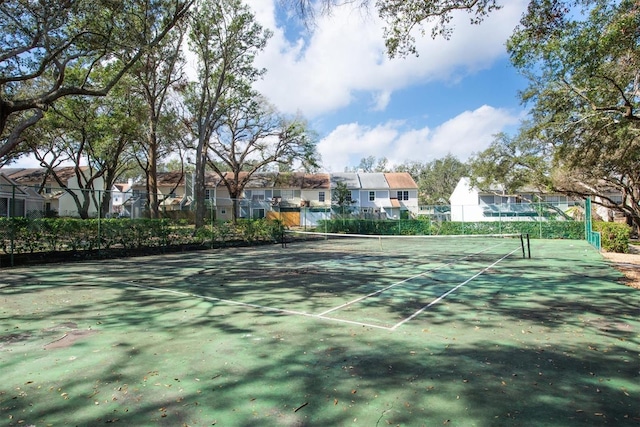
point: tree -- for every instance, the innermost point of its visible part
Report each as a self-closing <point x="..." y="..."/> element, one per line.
<point x="156" y="75"/>
<point x="368" y="164"/>
<point x="439" y="178"/>
<point x="341" y="196"/>
<point x="251" y="136"/>
<point x="512" y="163"/>
<point x="225" y="39"/>
<point x="42" y="40"/>
<point x="436" y="179"/>
<point x="584" y="71"/>
<point x="92" y="134"/>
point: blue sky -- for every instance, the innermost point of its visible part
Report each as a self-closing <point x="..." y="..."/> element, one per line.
<point x="452" y="98"/>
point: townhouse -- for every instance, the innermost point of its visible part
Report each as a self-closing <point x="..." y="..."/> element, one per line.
<point x="59" y="198"/>
<point x="297" y="198"/>
<point x="18" y="200"/>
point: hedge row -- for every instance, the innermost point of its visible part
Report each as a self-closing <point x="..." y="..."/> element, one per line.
<point x="542" y="229"/>
<point x="23" y="235"/>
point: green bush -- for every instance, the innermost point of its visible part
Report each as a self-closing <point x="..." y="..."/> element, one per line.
<point x="614" y="237"/>
<point x="535" y="229"/>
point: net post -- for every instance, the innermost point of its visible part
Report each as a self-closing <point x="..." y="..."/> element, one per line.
<point x="522" y="245"/>
<point x="528" y="246"/>
<point x="283" y="236"/>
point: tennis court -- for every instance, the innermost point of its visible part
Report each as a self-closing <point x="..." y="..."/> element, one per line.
<point x="325" y="331"/>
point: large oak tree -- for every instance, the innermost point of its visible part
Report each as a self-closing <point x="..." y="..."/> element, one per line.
<point x="252" y="136"/>
<point x="224" y="37"/>
<point x="583" y="134"/>
<point x="42" y="40"/>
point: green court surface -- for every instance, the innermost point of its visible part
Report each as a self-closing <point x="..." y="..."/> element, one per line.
<point x="419" y="334"/>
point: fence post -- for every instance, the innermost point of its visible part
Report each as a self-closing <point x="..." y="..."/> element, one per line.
<point x="13" y="223"/>
<point x="540" y="217"/>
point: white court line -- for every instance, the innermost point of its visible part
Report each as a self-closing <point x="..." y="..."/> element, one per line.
<point x="255" y="306"/>
<point x="379" y="291"/>
<point x="441" y="297"/>
<point x="322" y="315"/>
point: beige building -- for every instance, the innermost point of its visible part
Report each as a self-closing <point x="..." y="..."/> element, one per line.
<point x="59" y="196"/>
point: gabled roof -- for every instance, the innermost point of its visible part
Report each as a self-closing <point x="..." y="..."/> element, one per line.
<point x="316" y="180"/>
<point x="256" y="180"/>
<point x="11" y="188"/>
<point x="289" y="180"/>
<point x="7" y="186"/>
<point x="170" y="178"/>
<point x="301" y="180"/>
<point x="36" y="176"/>
<point x="373" y="180"/>
<point x="351" y="180"/>
<point x="211" y="179"/>
<point x="400" y="180"/>
<point x="123" y="187"/>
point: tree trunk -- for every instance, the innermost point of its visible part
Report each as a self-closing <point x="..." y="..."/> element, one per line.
<point x="198" y="185"/>
<point x="152" y="180"/>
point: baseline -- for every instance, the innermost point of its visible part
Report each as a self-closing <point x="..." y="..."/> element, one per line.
<point x="450" y="291"/>
<point x="393" y="285"/>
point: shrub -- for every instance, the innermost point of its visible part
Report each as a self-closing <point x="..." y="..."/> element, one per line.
<point x="535" y="229"/>
<point x="614" y="237"/>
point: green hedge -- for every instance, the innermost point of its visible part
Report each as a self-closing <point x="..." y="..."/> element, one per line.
<point x="23" y="235"/>
<point x="535" y="229"/>
<point x="614" y="237"/>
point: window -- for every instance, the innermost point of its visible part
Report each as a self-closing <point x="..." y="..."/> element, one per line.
<point x="18" y="209"/>
<point x="372" y="196"/>
<point x="4" y="207"/>
<point x="287" y="194"/>
<point x="403" y="195"/>
<point x="209" y="193"/>
<point x="321" y="196"/>
<point x="347" y="197"/>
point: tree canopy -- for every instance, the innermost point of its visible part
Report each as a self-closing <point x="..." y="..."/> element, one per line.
<point x="44" y="40"/>
<point x="583" y="135"/>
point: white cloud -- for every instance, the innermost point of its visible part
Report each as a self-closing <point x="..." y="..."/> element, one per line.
<point x="381" y="100"/>
<point x="469" y="132"/>
<point x="345" y="54"/>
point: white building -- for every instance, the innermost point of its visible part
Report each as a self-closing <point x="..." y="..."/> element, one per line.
<point x="470" y="204"/>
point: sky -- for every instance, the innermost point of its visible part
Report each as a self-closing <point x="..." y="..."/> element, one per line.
<point x="451" y="99"/>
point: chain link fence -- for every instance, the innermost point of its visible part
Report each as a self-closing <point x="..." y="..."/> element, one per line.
<point x="42" y="219"/>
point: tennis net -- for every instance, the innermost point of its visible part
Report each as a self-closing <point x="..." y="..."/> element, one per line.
<point x="408" y="244"/>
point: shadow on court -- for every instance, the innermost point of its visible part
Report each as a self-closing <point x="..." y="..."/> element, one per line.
<point x="172" y="340"/>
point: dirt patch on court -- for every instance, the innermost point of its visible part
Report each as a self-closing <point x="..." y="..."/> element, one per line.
<point x="628" y="264"/>
<point x="69" y="334"/>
